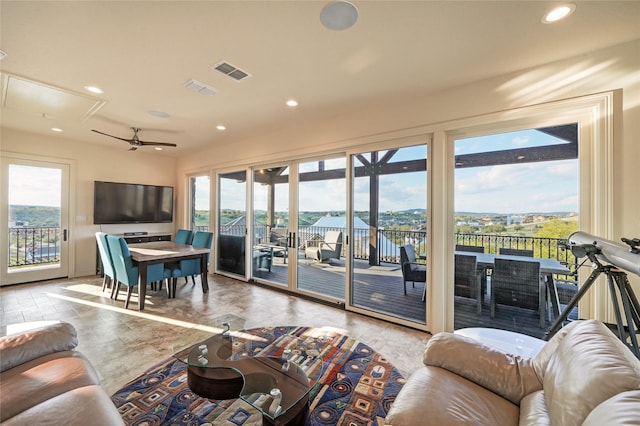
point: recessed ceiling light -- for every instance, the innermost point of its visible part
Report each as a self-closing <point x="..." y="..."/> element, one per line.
<point x="558" y="13"/>
<point x="221" y="127"/>
<point x="160" y="114"/>
<point x="339" y="15"/>
<point x="158" y="148"/>
<point x="56" y="129"/>
<point x="93" y="89"/>
<point x="292" y="103"/>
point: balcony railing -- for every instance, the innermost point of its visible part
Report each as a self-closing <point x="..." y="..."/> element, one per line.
<point x="34" y="246"/>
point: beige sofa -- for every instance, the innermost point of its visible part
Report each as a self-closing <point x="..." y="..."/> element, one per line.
<point x="44" y="381"/>
<point x="584" y="375"/>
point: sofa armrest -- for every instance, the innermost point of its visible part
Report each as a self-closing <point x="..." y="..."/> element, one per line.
<point x="30" y="344"/>
<point x="510" y="376"/>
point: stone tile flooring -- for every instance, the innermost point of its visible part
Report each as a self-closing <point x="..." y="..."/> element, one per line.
<point x="121" y="343"/>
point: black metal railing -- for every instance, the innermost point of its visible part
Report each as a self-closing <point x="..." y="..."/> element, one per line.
<point x="34" y="246"/>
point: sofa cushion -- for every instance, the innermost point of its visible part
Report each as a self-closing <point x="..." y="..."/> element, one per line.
<point x="444" y="398"/>
<point x="87" y="405"/>
<point x="33" y="343"/>
<point x="589" y="366"/>
<point x="622" y="409"/>
<point x="533" y="410"/>
<point x="510" y="376"/>
<point x="36" y="381"/>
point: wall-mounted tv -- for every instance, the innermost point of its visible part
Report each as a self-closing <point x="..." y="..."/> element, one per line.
<point x="118" y="203"/>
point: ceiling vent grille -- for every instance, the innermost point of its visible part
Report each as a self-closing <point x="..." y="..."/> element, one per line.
<point x="201" y="88"/>
<point x="231" y="71"/>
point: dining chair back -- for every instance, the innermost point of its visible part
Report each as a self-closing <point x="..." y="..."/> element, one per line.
<point x="517" y="283"/>
<point x="516" y="252"/>
<point x="183" y="236"/>
<point x="126" y="272"/>
<point x="192" y="267"/>
<point x="411" y="269"/>
<point x="107" y="264"/>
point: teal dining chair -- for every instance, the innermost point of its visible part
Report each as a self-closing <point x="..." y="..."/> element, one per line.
<point x="125" y="271"/>
<point x="183" y="236"/>
<point x="191" y="267"/>
<point x="107" y="264"/>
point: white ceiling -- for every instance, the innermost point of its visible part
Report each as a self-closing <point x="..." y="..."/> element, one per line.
<point x="143" y="53"/>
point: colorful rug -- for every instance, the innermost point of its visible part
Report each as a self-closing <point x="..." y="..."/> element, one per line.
<point x="356" y="385"/>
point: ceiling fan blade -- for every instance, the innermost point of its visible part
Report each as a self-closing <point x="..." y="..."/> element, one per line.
<point x="111" y="136"/>
<point x="144" y="143"/>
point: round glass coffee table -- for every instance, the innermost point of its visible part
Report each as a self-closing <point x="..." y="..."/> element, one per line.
<point x="274" y="377"/>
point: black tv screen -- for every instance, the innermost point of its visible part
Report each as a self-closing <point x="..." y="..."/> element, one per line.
<point x="115" y="203"/>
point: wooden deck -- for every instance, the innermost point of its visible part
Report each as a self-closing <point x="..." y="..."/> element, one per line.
<point x="380" y="289"/>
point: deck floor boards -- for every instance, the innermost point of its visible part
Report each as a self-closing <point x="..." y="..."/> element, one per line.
<point x="380" y="288"/>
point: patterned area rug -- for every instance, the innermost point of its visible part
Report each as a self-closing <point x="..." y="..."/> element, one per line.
<point x="356" y="385"/>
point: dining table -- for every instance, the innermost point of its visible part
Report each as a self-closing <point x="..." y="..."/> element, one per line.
<point x="548" y="268"/>
<point x="145" y="254"/>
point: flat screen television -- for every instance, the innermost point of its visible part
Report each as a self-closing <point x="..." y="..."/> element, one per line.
<point x="119" y="203"/>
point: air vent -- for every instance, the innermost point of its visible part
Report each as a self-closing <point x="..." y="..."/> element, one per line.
<point x="231" y="71"/>
<point x="201" y="88"/>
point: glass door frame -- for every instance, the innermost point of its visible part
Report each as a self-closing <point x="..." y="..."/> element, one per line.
<point x="594" y="115"/>
<point x="384" y="145"/>
<point x="66" y="266"/>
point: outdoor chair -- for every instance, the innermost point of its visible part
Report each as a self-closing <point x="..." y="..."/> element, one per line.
<point x="329" y="247"/>
<point x="474" y="249"/>
<point x="518" y="283"/>
<point x="128" y="274"/>
<point x="411" y="269"/>
<point x="516" y="252"/>
<point x="467" y="279"/>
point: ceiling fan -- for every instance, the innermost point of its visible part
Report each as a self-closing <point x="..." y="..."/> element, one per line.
<point x="135" y="141"/>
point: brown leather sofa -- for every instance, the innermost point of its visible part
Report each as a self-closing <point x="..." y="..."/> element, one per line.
<point x="44" y="381"/>
<point x="584" y="375"/>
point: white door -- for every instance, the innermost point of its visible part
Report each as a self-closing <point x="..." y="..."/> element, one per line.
<point x="35" y="204"/>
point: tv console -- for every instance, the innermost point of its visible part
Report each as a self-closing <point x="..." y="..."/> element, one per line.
<point x="134" y="237"/>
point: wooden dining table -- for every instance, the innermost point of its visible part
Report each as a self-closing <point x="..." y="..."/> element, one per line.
<point x="548" y="268"/>
<point x="145" y="254"/>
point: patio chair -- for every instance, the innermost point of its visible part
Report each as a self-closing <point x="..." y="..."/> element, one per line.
<point x="411" y="269"/>
<point x="518" y="283"/>
<point x="467" y="279"/>
<point x="329" y="247"/>
<point x="516" y="252"/>
<point x="474" y="249"/>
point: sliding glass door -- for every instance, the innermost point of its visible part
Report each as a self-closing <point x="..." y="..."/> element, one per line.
<point x="232" y="223"/>
<point x="322" y="227"/>
<point x="389" y="202"/>
<point x="270" y="245"/>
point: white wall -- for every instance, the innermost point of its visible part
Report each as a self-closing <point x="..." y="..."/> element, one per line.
<point x="94" y="162"/>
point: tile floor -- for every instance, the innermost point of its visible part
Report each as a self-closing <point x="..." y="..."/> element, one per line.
<point x="121" y="343"/>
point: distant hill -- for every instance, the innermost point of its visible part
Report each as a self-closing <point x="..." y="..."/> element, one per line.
<point x="40" y="216"/>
